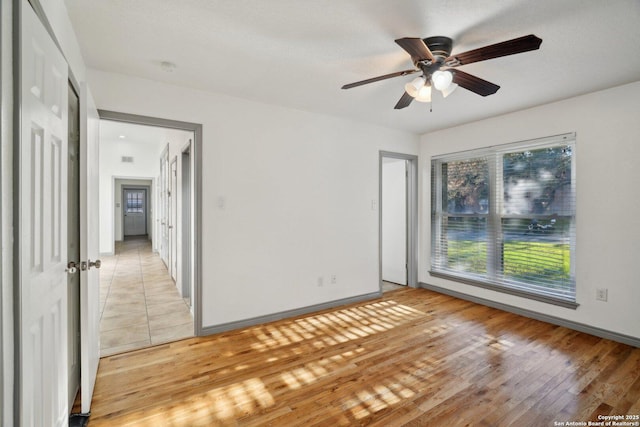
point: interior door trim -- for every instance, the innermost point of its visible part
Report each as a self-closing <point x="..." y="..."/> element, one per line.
<point x="196" y="128"/>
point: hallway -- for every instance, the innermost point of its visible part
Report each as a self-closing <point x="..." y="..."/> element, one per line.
<point x="139" y="302"/>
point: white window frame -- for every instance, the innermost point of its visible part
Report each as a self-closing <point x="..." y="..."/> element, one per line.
<point x="493" y="278"/>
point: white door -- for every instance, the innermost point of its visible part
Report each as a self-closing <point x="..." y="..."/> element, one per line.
<point x="135" y="211"/>
<point x="173" y="219"/>
<point x="394" y="220"/>
<point x="42" y="222"/>
<point x="164" y="206"/>
<point x="89" y="247"/>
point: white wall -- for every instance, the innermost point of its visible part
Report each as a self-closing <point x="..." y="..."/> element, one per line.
<point x="608" y="236"/>
<point x="297" y="190"/>
<point x="60" y="22"/>
<point x="394" y="220"/>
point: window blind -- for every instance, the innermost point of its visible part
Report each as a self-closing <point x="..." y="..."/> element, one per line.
<point x="504" y="217"/>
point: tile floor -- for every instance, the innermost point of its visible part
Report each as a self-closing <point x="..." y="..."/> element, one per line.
<point x="139" y="302"/>
<point x="388" y="286"/>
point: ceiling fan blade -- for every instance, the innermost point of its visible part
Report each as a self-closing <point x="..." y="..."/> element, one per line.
<point x="416" y="48"/>
<point x="473" y="83"/>
<point x="509" y="47"/>
<point x="375" y="79"/>
<point x="404" y="101"/>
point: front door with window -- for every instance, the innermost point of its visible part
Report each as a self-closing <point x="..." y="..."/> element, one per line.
<point x="135" y="211"/>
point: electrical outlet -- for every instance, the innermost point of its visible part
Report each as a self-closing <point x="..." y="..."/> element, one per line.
<point x="602" y="294"/>
<point x="334" y="279"/>
<point x="320" y="281"/>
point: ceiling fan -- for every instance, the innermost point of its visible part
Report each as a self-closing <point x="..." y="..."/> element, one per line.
<point x="432" y="56"/>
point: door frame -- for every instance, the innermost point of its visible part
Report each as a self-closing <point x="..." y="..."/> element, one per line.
<point x="185" y="237"/>
<point x="412" y="215"/>
<point x="71" y="311"/>
<point x="196" y="213"/>
<point x="147" y="194"/>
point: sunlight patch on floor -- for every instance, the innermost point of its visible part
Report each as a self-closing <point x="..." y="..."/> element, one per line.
<point x="336" y="328"/>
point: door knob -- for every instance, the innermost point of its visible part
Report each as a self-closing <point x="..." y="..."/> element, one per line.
<point x="71" y="267"/>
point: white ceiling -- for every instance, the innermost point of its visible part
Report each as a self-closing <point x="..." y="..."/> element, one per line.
<point x="298" y="53"/>
<point x="124" y="133"/>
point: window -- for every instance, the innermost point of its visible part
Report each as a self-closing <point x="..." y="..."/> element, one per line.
<point x="504" y="218"/>
<point x="135" y="202"/>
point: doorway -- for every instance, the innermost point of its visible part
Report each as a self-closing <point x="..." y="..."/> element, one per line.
<point x="186" y="232"/>
<point x="174" y="200"/>
<point x="394" y="220"/>
<point x="398" y="215"/>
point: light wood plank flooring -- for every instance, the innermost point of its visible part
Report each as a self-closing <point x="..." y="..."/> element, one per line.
<point x="140" y="304"/>
<point x="412" y="357"/>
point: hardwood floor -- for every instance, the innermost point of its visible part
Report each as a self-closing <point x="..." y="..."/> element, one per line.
<point x="412" y="357"/>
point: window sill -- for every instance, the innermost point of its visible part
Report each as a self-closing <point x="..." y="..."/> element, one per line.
<point x="517" y="292"/>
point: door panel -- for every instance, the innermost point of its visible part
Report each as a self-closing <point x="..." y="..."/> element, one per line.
<point x="135" y="212"/>
<point x="42" y="199"/>
<point x="89" y="247"/>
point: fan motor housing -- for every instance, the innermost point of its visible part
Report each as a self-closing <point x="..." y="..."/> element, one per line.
<point x="440" y="47"/>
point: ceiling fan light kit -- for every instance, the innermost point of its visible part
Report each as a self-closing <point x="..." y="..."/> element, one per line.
<point x="449" y="90"/>
<point x="413" y="87"/>
<point x="424" y="94"/>
<point x="432" y="56"/>
<point x="442" y="79"/>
